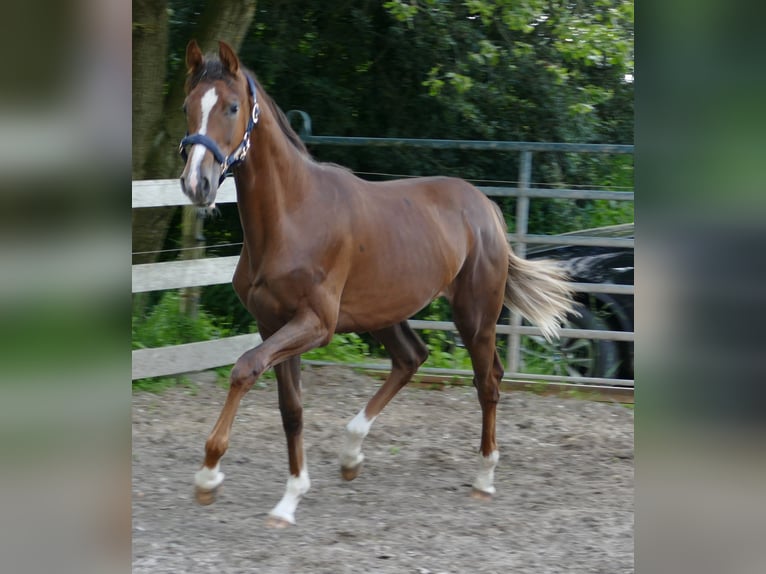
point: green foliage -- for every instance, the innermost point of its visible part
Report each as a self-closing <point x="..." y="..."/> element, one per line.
<point x="402" y="11"/>
<point x="159" y="384"/>
<point x="505" y="70"/>
<point x="343" y="348"/>
<point x="444" y="350"/>
<point x="560" y="215"/>
<point x="165" y="325"/>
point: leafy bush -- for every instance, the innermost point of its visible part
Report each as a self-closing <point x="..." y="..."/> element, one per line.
<point x="444" y="348"/>
<point x="165" y="324"/>
<point x="344" y="348"/>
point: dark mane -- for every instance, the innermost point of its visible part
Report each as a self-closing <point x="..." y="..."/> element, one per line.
<point x="213" y="70"/>
<point x="282" y="121"/>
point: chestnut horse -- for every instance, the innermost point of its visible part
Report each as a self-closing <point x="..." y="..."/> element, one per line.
<point x="325" y="252"/>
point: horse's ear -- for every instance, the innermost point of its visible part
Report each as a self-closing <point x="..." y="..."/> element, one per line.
<point x="194" y="57"/>
<point x="228" y="58"/>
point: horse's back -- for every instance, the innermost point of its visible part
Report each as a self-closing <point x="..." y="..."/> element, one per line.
<point x="436" y="215"/>
<point x="457" y="206"/>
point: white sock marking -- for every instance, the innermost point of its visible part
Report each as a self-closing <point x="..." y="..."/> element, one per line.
<point x="198" y="150"/>
<point x="486" y="474"/>
<point x="351" y="453"/>
<point x="296" y="487"/>
<point x="208" y="478"/>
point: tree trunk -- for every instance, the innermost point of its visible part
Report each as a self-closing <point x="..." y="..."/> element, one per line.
<point x="150" y="46"/>
<point x="158" y="122"/>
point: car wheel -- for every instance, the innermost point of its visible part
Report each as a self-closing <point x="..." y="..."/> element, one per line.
<point x="573" y="356"/>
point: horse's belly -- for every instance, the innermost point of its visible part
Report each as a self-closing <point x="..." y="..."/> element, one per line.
<point x="377" y="308"/>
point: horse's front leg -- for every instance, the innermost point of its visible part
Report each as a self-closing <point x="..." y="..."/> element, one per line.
<point x="298" y="483"/>
<point x="304" y="332"/>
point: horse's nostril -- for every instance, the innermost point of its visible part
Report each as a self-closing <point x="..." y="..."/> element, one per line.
<point x="183" y="184"/>
<point x="205" y="185"/>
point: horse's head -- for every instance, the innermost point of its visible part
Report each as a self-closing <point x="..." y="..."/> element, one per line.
<point x="221" y="109"/>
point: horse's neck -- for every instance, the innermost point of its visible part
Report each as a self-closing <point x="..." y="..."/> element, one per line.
<point x="270" y="184"/>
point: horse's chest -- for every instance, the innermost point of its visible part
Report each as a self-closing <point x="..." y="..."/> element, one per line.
<point x="275" y="293"/>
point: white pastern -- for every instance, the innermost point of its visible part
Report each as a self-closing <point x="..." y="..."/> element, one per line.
<point x="351" y="453"/>
<point x="297" y="486"/>
<point x="486" y="475"/>
<point x="208" y="478"/>
<point x="198" y="150"/>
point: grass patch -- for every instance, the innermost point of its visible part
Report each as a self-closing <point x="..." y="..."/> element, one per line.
<point x="158" y="385"/>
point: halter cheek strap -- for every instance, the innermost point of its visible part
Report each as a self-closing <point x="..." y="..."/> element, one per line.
<point x="240" y="152"/>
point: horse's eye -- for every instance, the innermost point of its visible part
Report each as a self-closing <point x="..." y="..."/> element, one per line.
<point x="184" y="108"/>
<point x="233" y="109"/>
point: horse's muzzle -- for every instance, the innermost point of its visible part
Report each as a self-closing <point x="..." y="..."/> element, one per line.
<point x="201" y="190"/>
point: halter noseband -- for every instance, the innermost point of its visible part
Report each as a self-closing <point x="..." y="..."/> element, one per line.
<point x="238" y="155"/>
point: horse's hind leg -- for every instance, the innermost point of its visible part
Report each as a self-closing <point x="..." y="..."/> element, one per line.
<point x="407" y="352"/>
<point x="475" y="314"/>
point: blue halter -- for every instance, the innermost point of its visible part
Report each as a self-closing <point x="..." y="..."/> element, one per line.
<point x="239" y="154"/>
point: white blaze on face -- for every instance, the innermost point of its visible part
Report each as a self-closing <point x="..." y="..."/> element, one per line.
<point x="198" y="150"/>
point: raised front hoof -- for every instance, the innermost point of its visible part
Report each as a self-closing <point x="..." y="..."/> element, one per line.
<point x="205" y="497"/>
<point x="480" y="494"/>
<point x="350" y="473"/>
<point x="278" y="523"/>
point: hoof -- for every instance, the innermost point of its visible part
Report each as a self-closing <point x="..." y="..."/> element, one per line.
<point x="350" y="473"/>
<point x="205" y="497"/>
<point x="276" y="522"/>
<point x="480" y="494"/>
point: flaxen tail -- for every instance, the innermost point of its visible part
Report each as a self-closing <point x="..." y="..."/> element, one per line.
<point x="538" y="290"/>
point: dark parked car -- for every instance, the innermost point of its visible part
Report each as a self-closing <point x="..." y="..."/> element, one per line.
<point x="612" y="312"/>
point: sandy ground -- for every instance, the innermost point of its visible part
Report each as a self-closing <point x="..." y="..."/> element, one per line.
<point x="564" y="499"/>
